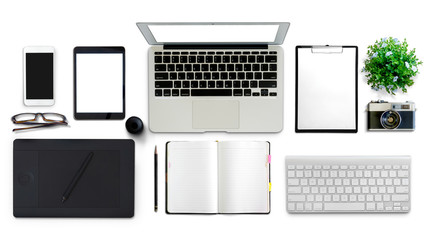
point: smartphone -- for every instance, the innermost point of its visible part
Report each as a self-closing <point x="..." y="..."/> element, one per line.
<point x="39" y="76"/>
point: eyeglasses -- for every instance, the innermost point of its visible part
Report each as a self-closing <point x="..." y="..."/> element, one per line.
<point x="32" y="119"/>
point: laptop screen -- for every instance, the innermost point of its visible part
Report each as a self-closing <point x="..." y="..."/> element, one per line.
<point x="182" y="33"/>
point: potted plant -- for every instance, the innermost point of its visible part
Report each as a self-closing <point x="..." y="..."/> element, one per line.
<point x="390" y="65"/>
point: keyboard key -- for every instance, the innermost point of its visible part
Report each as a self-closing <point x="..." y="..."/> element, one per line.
<point x="239" y="67"/>
<point x="296" y="198"/>
<point x="228" y="84"/>
<point x="179" y="67"/>
<point x="177" y="84"/>
<point x="181" y="76"/>
<point x="190" y="76"/>
<point x="186" y="84"/>
<point x="251" y="59"/>
<point x="226" y="59"/>
<point x="245" y="84"/>
<point x="240" y="75"/>
<point x="166" y="59"/>
<point x="202" y="84"/>
<point x="254" y="84"/>
<point x="175" y="59"/>
<point x="264" y="67"/>
<point x="238" y="92"/>
<point x="236" y="84"/>
<point x="187" y="67"/>
<point x="219" y="84"/>
<point x="232" y="75"/>
<point x="270" y="59"/>
<point x="171" y="67"/>
<point x="198" y="76"/>
<point x="205" y="67"/>
<point x="260" y="59"/>
<point x="163" y="84"/>
<point x="344" y="206"/>
<point x="213" y="67"/>
<point x="264" y="92"/>
<point x="194" y="84"/>
<point x="273" y="67"/>
<point x="230" y="67"/>
<point x="215" y="75"/>
<point x="158" y="59"/>
<point x="211" y="84"/>
<point x="247" y="92"/>
<point x="196" y="67"/>
<point x="207" y="75"/>
<point x="273" y="94"/>
<point x="173" y="75"/>
<point x="158" y="53"/>
<point x="255" y="94"/>
<point x="243" y="59"/>
<point x="166" y="92"/>
<point x="217" y="59"/>
<point x="258" y="75"/>
<point x="158" y="92"/>
<point x="255" y="67"/>
<point x="234" y="59"/>
<point x="247" y="67"/>
<point x="175" y="92"/>
<point x="221" y="67"/>
<point x="160" y="67"/>
<point x="224" y="76"/>
<point x="200" y="59"/>
<point x="161" y="76"/>
<point x="268" y="84"/>
<point x="250" y="75"/>
<point x="269" y="75"/>
<point x="209" y="59"/>
<point x="185" y="92"/>
<point x="210" y="92"/>
<point x="192" y="59"/>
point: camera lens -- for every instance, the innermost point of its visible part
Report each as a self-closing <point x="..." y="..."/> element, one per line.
<point x="390" y="119"/>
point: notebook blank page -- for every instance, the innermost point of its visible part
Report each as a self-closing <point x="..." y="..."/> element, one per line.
<point x="192" y="177"/>
<point x="243" y="177"/>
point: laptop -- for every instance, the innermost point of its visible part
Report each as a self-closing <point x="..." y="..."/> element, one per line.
<point x="208" y="77"/>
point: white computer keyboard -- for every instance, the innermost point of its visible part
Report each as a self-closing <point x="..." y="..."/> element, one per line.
<point x="320" y="184"/>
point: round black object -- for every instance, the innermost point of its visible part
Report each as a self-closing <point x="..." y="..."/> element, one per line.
<point x="390" y="119"/>
<point x="134" y="125"/>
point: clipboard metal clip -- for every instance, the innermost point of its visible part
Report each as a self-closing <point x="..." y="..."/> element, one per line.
<point x="327" y="49"/>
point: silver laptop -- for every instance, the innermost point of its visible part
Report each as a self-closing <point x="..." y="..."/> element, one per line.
<point x="206" y="77"/>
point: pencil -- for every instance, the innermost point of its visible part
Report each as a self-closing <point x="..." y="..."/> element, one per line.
<point x="155" y="178"/>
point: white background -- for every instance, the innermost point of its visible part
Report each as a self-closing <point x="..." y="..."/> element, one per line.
<point x="65" y="25"/>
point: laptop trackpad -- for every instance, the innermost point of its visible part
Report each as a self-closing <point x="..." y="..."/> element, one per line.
<point x="216" y="114"/>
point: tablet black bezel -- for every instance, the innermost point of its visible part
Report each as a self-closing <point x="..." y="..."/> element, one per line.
<point x="106" y="115"/>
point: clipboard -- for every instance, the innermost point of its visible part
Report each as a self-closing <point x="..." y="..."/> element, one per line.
<point x="326" y="89"/>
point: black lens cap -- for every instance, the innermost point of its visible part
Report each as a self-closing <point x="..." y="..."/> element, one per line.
<point x="134" y="125"/>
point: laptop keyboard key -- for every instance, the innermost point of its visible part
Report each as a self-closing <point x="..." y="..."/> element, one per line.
<point x="202" y="84"/>
<point x="183" y="59"/>
<point x="158" y="92"/>
<point x="186" y="84"/>
<point x="258" y="75"/>
<point x="190" y="76"/>
<point x="163" y="84"/>
<point x="179" y="67"/>
<point x="264" y="92"/>
<point x="221" y="67"/>
<point x="161" y="76"/>
<point x="171" y="67"/>
<point x="167" y="92"/>
<point x="264" y="67"/>
<point x="251" y="59"/>
<point x="219" y="84"/>
<point x="234" y="59"/>
<point x="240" y="75"/>
<point x="205" y="67"/>
<point x="210" y="92"/>
<point x="239" y="67"/>
<point x="200" y="59"/>
<point x="181" y="76"/>
<point x="175" y="59"/>
<point x="245" y="84"/>
<point x="226" y="59"/>
<point x="213" y="67"/>
<point x="211" y="84"/>
<point x="158" y="59"/>
<point x="173" y="75"/>
<point x="268" y="84"/>
<point x="194" y="84"/>
<point x="185" y="92"/>
<point x="270" y="59"/>
<point x="177" y="84"/>
<point x="255" y="67"/>
<point x="250" y="75"/>
<point x="247" y="92"/>
<point x="236" y="84"/>
<point x="260" y="59"/>
<point x="207" y="76"/>
<point x="273" y="94"/>
<point x="238" y="92"/>
<point x="217" y="59"/>
<point x="192" y="59"/>
<point x="215" y="75"/>
<point x="198" y="76"/>
<point x="254" y="84"/>
<point x="175" y="92"/>
<point x="187" y="67"/>
<point x="228" y="84"/>
<point x="269" y="75"/>
<point x="209" y="59"/>
<point x="160" y="67"/>
<point x="166" y="59"/>
<point x="224" y="76"/>
<point x="273" y="67"/>
<point x="232" y="75"/>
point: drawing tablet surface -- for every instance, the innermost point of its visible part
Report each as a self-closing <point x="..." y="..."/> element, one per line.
<point x="43" y="169"/>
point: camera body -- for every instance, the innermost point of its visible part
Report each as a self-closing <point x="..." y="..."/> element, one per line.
<point x="395" y="116"/>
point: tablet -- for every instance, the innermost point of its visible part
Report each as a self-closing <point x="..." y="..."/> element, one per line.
<point x="99" y="83"/>
<point x="43" y="170"/>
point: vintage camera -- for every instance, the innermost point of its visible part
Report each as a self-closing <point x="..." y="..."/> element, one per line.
<point x="384" y="115"/>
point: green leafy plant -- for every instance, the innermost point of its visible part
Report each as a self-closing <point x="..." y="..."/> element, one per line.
<point x="390" y="65"/>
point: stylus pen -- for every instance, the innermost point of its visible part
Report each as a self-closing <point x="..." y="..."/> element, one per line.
<point x="76" y="177"/>
<point x="155" y="178"/>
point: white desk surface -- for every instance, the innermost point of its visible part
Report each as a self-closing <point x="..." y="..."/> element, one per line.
<point x="96" y="23"/>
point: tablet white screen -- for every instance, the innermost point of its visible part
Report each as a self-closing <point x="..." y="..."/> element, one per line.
<point x="99" y="82"/>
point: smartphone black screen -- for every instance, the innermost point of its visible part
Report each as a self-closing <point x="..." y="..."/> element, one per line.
<point x="39" y="75"/>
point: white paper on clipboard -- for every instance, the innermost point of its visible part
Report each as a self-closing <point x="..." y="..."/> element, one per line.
<point x="326" y="89"/>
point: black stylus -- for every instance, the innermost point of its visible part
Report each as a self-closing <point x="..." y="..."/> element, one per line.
<point x="76" y="177"/>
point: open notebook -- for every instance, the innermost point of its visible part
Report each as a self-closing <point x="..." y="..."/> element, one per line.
<point x="218" y="177"/>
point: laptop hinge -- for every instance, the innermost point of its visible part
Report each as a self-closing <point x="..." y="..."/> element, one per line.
<point x="215" y="46"/>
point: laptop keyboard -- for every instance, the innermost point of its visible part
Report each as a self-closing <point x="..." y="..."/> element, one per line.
<point x="215" y="73"/>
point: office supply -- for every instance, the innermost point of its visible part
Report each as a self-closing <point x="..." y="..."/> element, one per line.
<point x="134" y="125"/>
<point x="215" y="76"/>
<point x="76" y="177"/>
<point x="155" y="179"/>
<point x="31" y="119"/>
<point x="39" y="76"/>
<point x="338" y="184"/>
<point x="42" y="169"/>
<point x="326" y="89"/>
<point x="217" y="177"/>
<point x="99" y="83"/>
